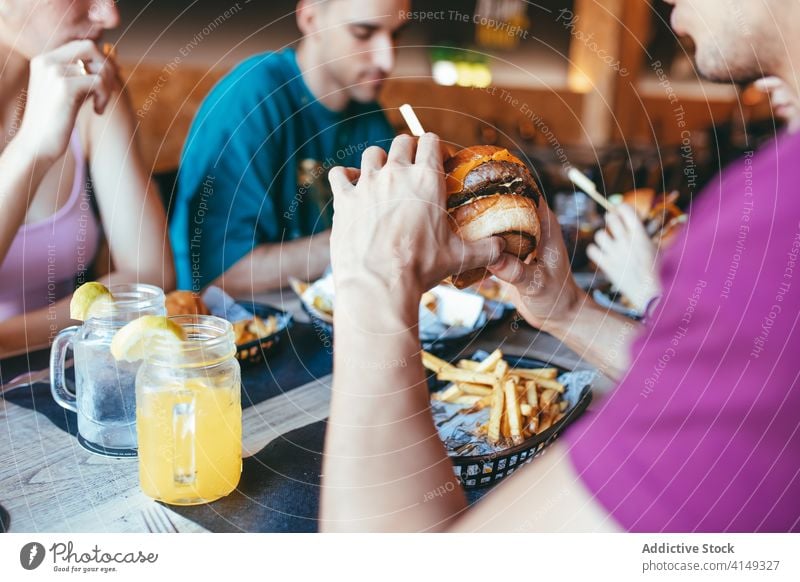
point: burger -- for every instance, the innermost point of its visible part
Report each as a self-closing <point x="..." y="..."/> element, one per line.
<point x="659" y="213"/>
<point x="491" y="192"/>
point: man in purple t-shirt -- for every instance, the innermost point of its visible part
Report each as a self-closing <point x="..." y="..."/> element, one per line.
<point x="703" y="431"/>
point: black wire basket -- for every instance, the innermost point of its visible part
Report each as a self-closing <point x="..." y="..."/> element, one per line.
<point x="477" y="471"/>
<point x="436" y="345"/>
<point x="256" y="350"/>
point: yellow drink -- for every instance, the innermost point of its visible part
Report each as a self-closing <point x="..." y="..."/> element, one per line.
<point x="190" y="441"/>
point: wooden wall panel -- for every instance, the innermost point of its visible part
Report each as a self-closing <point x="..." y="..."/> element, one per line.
<point x="457" y="114"/>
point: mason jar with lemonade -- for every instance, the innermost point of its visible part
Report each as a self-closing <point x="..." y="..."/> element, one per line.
<point x="188" y="406"/>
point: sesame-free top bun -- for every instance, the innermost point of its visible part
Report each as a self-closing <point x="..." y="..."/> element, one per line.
<point x="492" y="193"/>
<point x="642" y="201"/>
<point x="474" y="152"/>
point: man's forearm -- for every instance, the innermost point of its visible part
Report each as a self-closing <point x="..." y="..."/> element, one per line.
<point x="269" y="266"/>
<point x="385" y="468"/>
<point x="599" y="336"/>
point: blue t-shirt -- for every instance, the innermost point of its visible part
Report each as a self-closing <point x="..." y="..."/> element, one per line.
<point x="254" y="167"/>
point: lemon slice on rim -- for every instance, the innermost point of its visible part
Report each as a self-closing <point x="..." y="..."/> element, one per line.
<point x="134" y="341"/>
<point x="89" y="299"/>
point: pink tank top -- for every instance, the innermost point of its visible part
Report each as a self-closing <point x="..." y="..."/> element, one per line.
<point x="46" y="257"/>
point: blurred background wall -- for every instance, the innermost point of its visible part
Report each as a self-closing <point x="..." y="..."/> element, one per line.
<point x="584" y="77"/>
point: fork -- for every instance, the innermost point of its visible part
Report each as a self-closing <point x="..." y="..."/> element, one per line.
<point x="29" y="378"/>
<point x="156" y="519"/>
<point x="26" y="379"/>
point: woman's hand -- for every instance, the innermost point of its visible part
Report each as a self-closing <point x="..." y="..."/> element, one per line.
<point x="60" y="82"/>
<point x="542" y="289"/>
<point x="393" y="225"/>
<point x="627" y="256"/>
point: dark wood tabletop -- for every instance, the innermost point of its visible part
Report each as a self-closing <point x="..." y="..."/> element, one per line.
<point x="49" y="483"/>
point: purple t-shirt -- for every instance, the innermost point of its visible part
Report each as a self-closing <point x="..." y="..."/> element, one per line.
<point x="703" y="433"/>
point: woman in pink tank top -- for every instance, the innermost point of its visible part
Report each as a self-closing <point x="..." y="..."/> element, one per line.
<point x="64" y="119"/>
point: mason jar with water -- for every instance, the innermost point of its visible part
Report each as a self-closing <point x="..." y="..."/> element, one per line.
<point x="104" y="397"/>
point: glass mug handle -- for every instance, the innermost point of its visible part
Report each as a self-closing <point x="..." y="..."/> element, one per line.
<point x="58" y="355"/>
<point x="183" y="434"/>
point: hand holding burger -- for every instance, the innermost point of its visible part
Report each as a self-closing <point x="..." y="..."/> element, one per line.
<point x="392" y="229"/>
<point x="396" y="234"/>
<point x="491" y="193"/>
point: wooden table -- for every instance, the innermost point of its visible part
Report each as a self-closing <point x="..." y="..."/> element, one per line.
<point x="49" y="483"/>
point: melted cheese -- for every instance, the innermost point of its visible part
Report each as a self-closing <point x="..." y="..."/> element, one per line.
<point x="455" y="179"/>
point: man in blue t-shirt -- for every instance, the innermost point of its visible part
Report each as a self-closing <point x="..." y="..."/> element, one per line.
<point x="253" y="205"/>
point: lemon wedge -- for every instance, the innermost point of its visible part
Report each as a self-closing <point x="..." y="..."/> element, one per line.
<point x="134" y="341"/>
<point x="88" y="300"/>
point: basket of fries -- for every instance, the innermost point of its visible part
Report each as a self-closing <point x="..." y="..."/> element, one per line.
<point x="496" y="412"/>
<point x="449" y="318"/>
<point x="261" y="334"/>
<point x="257" y="327"/>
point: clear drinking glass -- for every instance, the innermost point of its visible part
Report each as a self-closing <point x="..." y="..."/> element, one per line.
<point x="189" y="415"/>
<point x="105" y="390"/>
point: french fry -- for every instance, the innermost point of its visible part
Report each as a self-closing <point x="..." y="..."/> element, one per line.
<point x="536" y="373"/>
<point x="533" y="424"/>
<point x="322" y="305"/>
<point x="545" y="422"/>
<point x="435" y="364"/>
<point x="512" y="411"/>
<point x="496" y="415"/>
<point x="482" y="403"/>
<point x="488" y="364"/>
<point x="452" y="374"/>
<point x="505" y="426"/>
<point x="477" y="389"/>
<point x="525" y="409"/>
<point x="531" y="393"/>
<point x="501" y="369"/>
<point x="547" y="397"/>
<point x="562" y="406"/>
<point x="551" y="384"/>
<point x="447" y="395"/>
<point x="298" y="286"/>
<point x="109" y="50"/>
<point x="469" y="365"/>
<point x="429" y="300"/>
<point x="469" y="399"/>
<point x="479" y="405"/>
